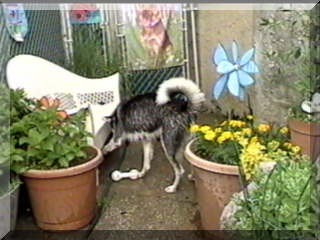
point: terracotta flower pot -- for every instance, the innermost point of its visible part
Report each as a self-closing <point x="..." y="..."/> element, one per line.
<point x="215" y="184"/>
<point x="64" y="199"/>
<point x="306" y="136"/>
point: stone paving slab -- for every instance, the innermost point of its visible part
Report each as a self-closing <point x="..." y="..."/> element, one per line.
<point x="143" y="204"/>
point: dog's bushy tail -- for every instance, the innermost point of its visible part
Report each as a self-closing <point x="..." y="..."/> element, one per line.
<point x="180" y="85"/>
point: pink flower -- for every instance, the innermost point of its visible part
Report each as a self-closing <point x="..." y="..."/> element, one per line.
<point x="82" y="12"/>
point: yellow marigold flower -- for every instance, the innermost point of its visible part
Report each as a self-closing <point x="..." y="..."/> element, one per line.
<point x="224" y="123"/>
<point x="296" y="149"/>
<point x="284" y="130"/>
<point x="250" y="158"/>
<point x="247" y="131"/>
<point x="288" y="145"/>
<point x="210" y="135"/>
<point x="236" y="123"/>
<point x="205" y="129"/>
<point x="263" y="128"/>
<point x="243" y="141"/>
<point x="254" y="139"/>
<point x="237" y="135"/>
<point x="220" y="139"/>
<point x="218" y="130"/>
<point x="242" y="124"/>
<point x="227" y="135"/>
<point x="250" y="117"/>
<point x="194" y="128"/>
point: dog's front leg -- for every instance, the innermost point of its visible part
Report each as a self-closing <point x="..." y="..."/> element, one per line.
<point x="147" y="157"/>
<point x="134" y="173"/>
<point x="112" y="145"/>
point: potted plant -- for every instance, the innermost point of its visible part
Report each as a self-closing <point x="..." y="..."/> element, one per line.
<point x="222" y="154"/>
<point x="304" y="120"/>
<point x="281" y="203"/>
<point x="50" y="151"/>
<point x="304" y="117"/>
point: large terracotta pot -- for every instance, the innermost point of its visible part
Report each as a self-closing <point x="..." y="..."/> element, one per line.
<point x="64" y="199"/>
<point x="306" y="136"/>
<point x="215" y="184"/>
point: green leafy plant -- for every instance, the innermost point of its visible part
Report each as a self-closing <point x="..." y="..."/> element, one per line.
<point x="281" y="201"/>
<point x="44" y="140"/>
<point x="13" y="106"/>
<point x="4" y="143"/>
<point x="88" y="56"/>
<point x="20" y="105"/>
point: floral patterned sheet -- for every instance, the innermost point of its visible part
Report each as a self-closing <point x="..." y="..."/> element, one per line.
<point x="154" y="36"/>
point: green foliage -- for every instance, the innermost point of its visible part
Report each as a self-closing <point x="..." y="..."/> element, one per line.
<point x="282" y="201"/>
<point x="88" y="57"/>
<point x="43" y="140"/>
<point x="224" y="154"/>
<point x="7" y="181"/>
<point x="20" y="105"/>
<point x="4" y="125"/>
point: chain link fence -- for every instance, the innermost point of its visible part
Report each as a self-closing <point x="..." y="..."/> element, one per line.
<point x="45" y="39"/>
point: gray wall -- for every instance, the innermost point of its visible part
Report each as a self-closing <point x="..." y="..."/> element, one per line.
<point x="223" y="27"/>
<point x="272" y="94"/>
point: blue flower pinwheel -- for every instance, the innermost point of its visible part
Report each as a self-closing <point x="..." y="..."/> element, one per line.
<point x="235" y="73"/>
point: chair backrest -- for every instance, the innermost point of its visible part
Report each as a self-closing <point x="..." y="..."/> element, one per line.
<point x="39" y="77"/>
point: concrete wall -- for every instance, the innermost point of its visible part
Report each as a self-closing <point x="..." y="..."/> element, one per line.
<point x="223" y="27"/>
<point x="273" y="94"/>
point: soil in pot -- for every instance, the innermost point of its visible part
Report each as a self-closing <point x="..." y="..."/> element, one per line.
<point x="215" y="184"/>
<point x="306" y="136"/>
<point x="64" y="199"/>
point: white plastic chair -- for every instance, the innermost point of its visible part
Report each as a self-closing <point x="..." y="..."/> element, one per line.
<point x="39" y="77"/>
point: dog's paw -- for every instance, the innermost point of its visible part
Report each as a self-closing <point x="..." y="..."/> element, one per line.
<point x="110" y="147"/>
<point x="171" y="189"/>
<point x="107" y="149"/>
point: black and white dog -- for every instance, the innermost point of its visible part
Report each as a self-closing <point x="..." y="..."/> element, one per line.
<point x="165" y="114"/>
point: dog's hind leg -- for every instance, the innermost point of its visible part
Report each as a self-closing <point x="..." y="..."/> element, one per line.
<point x="147" y="157"/>
<point x="177" y="167"/>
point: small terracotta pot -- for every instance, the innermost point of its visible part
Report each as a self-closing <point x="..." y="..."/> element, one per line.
<point x="215" y="184"/>
<point x="64" y="199"/>
<point x="306" y="136"/>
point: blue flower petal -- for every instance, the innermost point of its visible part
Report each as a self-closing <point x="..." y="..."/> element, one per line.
<point x="225" y="67"/>
<point x="250" y="67"/>
<point x="233" y="84"/>
<point x="245" y="79"/>
<point x="220" y="55"/>
<point x="235" y="51"/>
<point x="247" y="57"/>
<point x="220" y="87"/>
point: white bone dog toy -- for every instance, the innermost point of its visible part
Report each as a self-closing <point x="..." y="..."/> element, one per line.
<point x="117" y="175"/>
